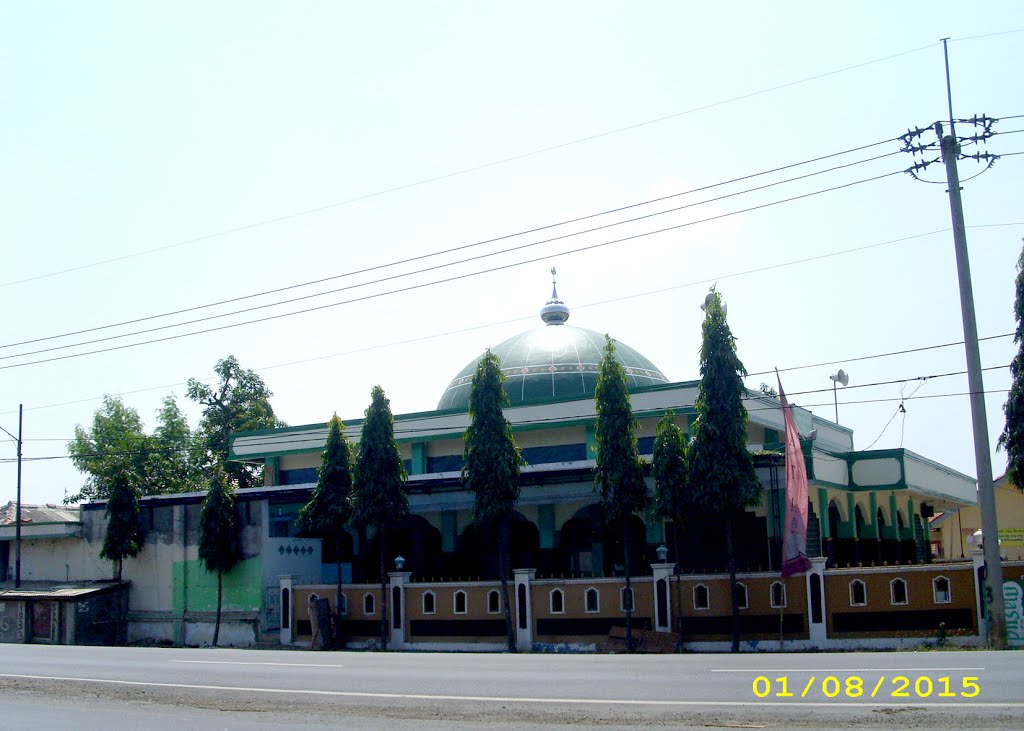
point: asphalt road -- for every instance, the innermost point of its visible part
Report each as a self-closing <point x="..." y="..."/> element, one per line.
<point x="102" y="687"/>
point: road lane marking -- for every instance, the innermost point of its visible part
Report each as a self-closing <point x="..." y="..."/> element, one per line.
<point x="281" y="664"/>
<point x="761" y="671"/>
<point x="945" y="705"/>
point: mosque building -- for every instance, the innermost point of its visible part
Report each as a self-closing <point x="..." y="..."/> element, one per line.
<point x="875" y="504"/>
<point x="869" y="539"/>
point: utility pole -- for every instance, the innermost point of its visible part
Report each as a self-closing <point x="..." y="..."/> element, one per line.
<point x="949" y="145"/>
<point x="17" y="511"/>
<point x="17" y="508"/>
<point x="995" y="611"/>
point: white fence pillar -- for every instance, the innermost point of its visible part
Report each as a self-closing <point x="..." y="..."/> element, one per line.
<point x="978" y="559"/>
<point x="287" y="595"/>
<point x="663" y="596"/>
<point x="817" y="610"/>
<point x="524" y="609"/>
<point x="397" y="601"/>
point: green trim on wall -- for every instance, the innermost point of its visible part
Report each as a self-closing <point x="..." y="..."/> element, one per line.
<point x="655" y="531"/>
<point x="449" y="530"/>
<point x="823" y="512"/>
<point x="195" y="589"/>
<point x="546" y="525"/>
<point x="591" y="442"/>
<point x="873" y="507"/>
<point x="419" y="458"/>
<point x="272" y="471"/>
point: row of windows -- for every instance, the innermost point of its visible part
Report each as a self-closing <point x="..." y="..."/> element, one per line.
<point x="898" y="594"/>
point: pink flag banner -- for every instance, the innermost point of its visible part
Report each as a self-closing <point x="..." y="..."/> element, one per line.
<point x="794" y="536"/>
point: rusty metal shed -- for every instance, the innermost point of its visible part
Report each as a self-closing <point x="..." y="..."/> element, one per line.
<point x="87" y="613"/>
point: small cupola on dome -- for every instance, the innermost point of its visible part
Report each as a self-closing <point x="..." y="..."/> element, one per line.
<point x="548" y="363"/>
<point x="555" y="312"/>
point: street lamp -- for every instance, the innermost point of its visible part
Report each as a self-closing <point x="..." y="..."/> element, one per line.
<point x="399" y="562"/>
<point x="841" y="377"/>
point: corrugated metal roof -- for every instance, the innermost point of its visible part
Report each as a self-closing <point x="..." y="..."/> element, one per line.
<point x="44" y="590"/>
<point x="38" y="514"/>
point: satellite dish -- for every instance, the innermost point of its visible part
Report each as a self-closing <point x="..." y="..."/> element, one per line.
<point x="841" y="377"/>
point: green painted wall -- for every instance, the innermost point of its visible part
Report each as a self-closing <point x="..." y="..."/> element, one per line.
<point x="243" y="587"/>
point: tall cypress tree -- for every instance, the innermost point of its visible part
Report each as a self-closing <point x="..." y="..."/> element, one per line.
<point x="619" y="476"/>
<point x="672" y="498"/>
<point x="380" y="501"/>
<point x="721" y="471"/>
<point x="124" y="536"/>
<point x="220" y="534"/>
<point x="1012" y="438"/>
<point x="491" y="466"/>
<point x="330" y="507"/>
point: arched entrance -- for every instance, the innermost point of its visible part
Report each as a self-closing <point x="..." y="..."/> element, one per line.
<point x="477" y="556"/>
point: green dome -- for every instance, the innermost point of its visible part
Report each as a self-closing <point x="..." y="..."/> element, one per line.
<point x="552" y="362"/>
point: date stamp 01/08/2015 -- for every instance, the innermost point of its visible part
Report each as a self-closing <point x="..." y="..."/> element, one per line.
<point x="858" y="686"/>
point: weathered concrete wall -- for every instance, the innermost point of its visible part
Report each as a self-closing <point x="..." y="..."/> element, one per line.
<point x="59" y="559"/>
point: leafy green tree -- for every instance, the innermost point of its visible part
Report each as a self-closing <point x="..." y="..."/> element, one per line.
<point x="672" y="498"/>
<point x="124" y="536"/>
<point x="380" y="501"/>
<point x="619" y="475"/>
<point x="239" y="401"/>
<point x="491" y="466"/>
<point x="176" y="458"/>
<point x="117" y="447"/>
<point x="721" y="471"/>
<point x="1012" y="438"/>
<point x="220" y="534"/>
<point x="330" y="507"/>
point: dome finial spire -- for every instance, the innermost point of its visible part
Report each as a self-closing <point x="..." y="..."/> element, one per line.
<point x="555" y="312"/>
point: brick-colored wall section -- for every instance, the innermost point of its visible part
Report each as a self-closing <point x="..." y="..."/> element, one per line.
<point x="758" y="600"/>
<point x="919" y="617"/>
<point x="583" y="626"/>
<point x="593" y="627"/>
<point x="477" y="624"/>
<point x="354" y="619"/>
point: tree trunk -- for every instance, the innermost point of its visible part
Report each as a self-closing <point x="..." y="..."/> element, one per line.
<point x="731" y="554"/>
<point x="120" y="562"/>
<point x="503" y="569"/>
<point x="337" y="598"/>
<point x="220" y="594"/>
<point x="383" y="594"/>
<point x="678" y="534"/>
<point x="627" y="546"/>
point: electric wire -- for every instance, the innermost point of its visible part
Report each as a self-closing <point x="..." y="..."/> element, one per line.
<point x="449" y="251"/>
<point x="453" y="278"/>
<point x="199" y="440"/>
<point x="453" y="430"/>
<point x="581" y="307"/>
<point x="464" y="171"/>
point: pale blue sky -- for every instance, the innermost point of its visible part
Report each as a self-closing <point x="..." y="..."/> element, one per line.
<point x="129" y="127"/>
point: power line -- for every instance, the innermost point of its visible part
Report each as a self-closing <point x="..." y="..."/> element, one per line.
<point x="440" y="430"/>
<point x="290" y="437"/>
<point x="454" y="277"/>
<point x="595" y="304"/>
<point x="883" y="355"/>
<point x="454" y="249"/>
<point x="464" y="171"/>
